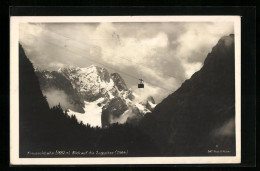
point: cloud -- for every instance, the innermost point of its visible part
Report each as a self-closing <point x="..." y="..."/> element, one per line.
<point x="197" y="41"/>
<point x="191" y="68"/>
<point x="123" y="118"/>
<point x="227" y="129"/>
<point x="56" y="97"/>
<point x="162" y="54"/>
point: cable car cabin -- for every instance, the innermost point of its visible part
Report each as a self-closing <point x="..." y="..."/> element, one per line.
<point x="141" y="84"/>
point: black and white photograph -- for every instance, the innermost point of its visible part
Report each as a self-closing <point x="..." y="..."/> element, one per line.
<point x="125" y="90"/>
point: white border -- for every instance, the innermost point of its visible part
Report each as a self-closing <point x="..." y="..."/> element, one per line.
<point x="14" y="92"/>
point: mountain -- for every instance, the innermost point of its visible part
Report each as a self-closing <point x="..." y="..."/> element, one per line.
<point x="196" y="120"/>
<point x="93" y="95"/>
<point x="44" y="129"/>
<point x="32" y="105"/>
<point x="200" y="115"/>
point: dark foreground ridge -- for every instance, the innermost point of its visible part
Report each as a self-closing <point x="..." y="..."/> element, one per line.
<point x="196" y="120"/>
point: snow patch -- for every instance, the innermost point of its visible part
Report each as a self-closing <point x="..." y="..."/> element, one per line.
<point x="92" y="115"/>
<point x="151" y="104"/>
<point x="142" y="108"/>
<point x="48" y="76"/>
<point x="110" y="95"/>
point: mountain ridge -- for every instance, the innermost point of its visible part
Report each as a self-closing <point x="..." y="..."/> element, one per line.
<point x="187" y="120"/>
<point x="87" y="85"/>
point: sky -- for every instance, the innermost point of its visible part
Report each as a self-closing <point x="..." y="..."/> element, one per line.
<point x="163" y="54"/>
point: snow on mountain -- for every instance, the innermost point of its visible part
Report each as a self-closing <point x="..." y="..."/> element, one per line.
<point x="151" y="104"/>
<point x="91" y="84"/>
<point x="92" y="114"/>
<point x="120" y="83"/>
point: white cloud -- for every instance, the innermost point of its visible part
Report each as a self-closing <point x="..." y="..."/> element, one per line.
<point x="227" y="129"/>
<point x="191" y="68"/>
<point x="56" y="97"/>
<point x="162" y="54"/>
<point x="197" y="42"/>
<point x="148" y="90"/>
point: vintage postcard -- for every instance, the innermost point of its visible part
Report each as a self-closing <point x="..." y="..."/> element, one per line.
<point x="125" y="90"/>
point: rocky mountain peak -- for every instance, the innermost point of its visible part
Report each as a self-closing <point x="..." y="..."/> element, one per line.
<point x="224" y="47"/>
<point x="151" y="99"/>
<point x="119" y="82"/>
<point x="103" y="93"/>
<point x="149" y="103"/>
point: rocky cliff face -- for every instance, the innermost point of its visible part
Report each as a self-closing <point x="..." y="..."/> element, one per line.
<point x="200" y="116"/>
<point x="119" y="82"/>
<point x="93" y="89"/>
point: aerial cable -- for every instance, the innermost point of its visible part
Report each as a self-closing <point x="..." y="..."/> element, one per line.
<point x="115" y="36"/>
<point x="75" y="53"/>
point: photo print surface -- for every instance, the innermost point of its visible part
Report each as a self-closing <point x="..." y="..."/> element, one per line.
<point x="127" y="89"/>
